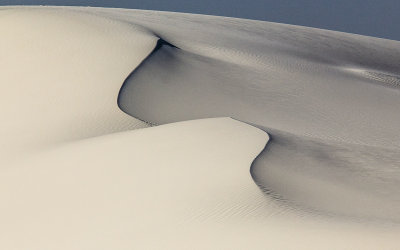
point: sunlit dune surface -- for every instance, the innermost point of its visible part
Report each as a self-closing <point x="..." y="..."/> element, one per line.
<point x="131" y="129"/>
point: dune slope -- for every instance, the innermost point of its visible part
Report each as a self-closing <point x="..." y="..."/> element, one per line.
<point x="335" y="96"/>
<point x="176" y="186"/>
<point x="60" y="76"/>
<point x="73" y="176"/>
<point x="126" y="189"/>
<point x="340" y="180"/>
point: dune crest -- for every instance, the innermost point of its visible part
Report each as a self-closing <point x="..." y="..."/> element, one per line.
<point x="74" y="177"/>
<point x="60" y="76"/>
<point x="332" y="97"/>
<point x="125" y="189"/>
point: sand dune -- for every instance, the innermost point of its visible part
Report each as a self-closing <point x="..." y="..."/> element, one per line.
<point x="340" y="180"/>
<point x="73" y="175"/>
<point x="342" y="124"/>
<point x="300" y="80"/>
<point x="60" y="77"/>
<point x="133" y="189"/>
<point x="176" y="186"/>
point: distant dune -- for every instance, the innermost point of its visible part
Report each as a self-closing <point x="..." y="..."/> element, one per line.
<point x="310" y="158"/>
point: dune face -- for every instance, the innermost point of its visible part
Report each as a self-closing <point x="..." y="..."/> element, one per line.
<point x="323" y="84"/>
<point x="315" y="116"/>
<point x="140" y="189"/>
<point x="340" y="180"/>
<point x="60" y="77"/>
<point x="334" y="95"/>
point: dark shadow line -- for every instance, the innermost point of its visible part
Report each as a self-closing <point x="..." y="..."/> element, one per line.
<point x="160" y="44"/>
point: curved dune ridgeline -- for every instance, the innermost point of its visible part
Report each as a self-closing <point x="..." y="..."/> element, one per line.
<point x="330" y="178"/>
<point x="74" y="174"/>
<point x="329" y="101"/>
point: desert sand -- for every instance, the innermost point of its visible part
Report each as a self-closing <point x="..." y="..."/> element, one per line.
<point x="116" y="134"/>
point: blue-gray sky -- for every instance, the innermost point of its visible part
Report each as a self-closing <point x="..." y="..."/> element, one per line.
<point x="379" y="18"/>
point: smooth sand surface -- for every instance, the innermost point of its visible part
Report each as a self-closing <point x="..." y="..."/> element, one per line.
<point x="329" y="100"/>
<point x="133" y="190"/>
<point x="60" y="77"/>
<point x="73" y="175"/>
<point x="347" y="182"/>
<point x="177" y="186"/>
<point x="305" y="81"/>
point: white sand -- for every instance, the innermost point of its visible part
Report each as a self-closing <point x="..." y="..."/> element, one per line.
<point x="133" y="189"/>
<point x="177" y="186"/>
<point x="334" y="96"/>
<point x="60" y="77"/>
<point x="68" y="181"/>
<point x="305" y="81"/>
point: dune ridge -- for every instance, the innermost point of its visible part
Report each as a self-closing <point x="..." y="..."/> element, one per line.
<point x="332" y="125"/>
<point x="355" y="182"/>
<point x="326" y="103"/>
<point x="60" y="76"/>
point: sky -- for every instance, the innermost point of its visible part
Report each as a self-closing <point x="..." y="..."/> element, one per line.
<point x="379" y="18"/>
